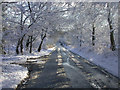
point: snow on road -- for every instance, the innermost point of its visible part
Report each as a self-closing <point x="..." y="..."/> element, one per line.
<point x="13" y="74"/>
<point x="106" y="59"/>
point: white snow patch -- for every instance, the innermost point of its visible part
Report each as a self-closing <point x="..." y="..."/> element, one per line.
<point x="13" y="74"/>
<point x="105" y="58"/>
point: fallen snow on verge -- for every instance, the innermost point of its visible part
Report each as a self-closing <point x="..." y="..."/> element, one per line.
<point x="106" y="59"/>
<point x="13" y="74"/>
<point x="23" y="58"/>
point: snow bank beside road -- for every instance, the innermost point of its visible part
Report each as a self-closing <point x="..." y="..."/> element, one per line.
<point x="13" y="74"/>
<point x="106" y="59"/>
<point x="23" y="58"/>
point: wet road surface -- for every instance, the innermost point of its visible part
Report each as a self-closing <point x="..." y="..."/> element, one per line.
<point x="64" y="69"/>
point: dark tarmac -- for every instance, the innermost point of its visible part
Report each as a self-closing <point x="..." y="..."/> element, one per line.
<point x="64" y="69"/>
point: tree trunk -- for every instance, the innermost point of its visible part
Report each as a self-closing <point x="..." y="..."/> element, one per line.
<point x="81" y="38"/>
<point x="40" y="46"/>
<point x="80" y="42"/>
<point x="21" y="41"/>
<point x="93" y="36"/>
<point x="21" y="46"/>
<point x="17" y="47"/>
<point x="112" y="41"/>
<point x="31" y="37"/>
<point x="27" y="43"/>
<point x="2" y="50"/>
<point x="41" y="42"/>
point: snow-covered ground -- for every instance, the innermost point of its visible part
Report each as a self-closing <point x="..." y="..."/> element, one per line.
<point x="104" y="58"/>
<point x="13" y="74"/>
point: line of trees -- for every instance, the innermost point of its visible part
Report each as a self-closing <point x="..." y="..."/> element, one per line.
<point x="96" y="25"/>
<point x="28" y="25"/>
<point x="30" y="22"/>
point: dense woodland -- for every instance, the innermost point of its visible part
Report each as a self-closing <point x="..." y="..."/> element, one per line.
<point x="32" y="26"/>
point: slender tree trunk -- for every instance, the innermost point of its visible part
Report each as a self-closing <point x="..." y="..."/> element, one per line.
<point x="81" y="38"/>
<point x="31" y="37"/>
<point x="39" y="48"/>
<point x="93" y="36"/>
<point x="112" y="41"/>
<point x="21" y="41"/>
<point x="80" y="43"/>
<point x="27" y="43"/>
<point x="2" y="50"/>
<point x="21" y="46"/>
<point x="17" y="47"/>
